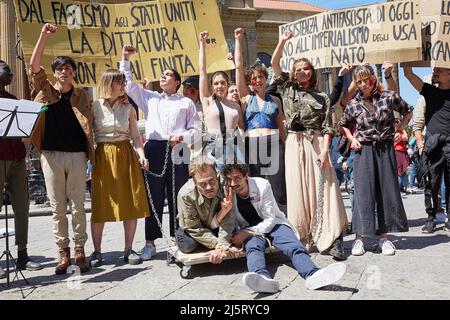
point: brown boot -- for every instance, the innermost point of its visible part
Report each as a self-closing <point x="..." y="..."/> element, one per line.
<point x="80" y="259"/>
<point x="63" y="261"/>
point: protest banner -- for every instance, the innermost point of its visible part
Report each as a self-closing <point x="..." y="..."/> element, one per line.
<point x="165" y="33"/>
<point x="435" y="19"/>
<point x="375" y="33"/>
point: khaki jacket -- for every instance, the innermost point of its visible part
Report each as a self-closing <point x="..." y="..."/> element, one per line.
<point x="196" y="214"/>
<point x="46" y="93"/>
<point x="307" y="107"/>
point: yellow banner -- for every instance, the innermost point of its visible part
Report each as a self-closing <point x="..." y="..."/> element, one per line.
<point x="375" y="33"/>
<point x="165" y="33"/>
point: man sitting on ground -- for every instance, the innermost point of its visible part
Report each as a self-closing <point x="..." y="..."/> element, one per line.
<point x="259" y="219"/>
<point x="205" y="213"/>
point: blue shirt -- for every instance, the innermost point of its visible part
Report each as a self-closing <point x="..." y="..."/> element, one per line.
<point x="264" y="118"/>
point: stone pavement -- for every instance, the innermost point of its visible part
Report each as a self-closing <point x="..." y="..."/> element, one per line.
<point x="418" y="270"/>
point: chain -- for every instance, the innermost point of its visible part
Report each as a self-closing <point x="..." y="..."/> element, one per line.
<point x="316" y="230"/>
<point x="150" y="199"/>
<point x="166" y="160"/>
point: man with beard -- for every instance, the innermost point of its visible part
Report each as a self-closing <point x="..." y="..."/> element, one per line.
<point x="260" y="221"/>
<point x="206" y="213"/>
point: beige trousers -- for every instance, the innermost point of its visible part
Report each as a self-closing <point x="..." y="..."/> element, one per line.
<point x="302" y="181"/>
<point x="65" y="180"/>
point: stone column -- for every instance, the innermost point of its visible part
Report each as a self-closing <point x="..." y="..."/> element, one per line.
<point x="8" y="39"/>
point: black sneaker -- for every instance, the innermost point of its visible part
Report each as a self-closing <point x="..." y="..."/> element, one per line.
<point x="337" y="250"/>
<point x="429" y="226"/>
<point x="96" y="259"/>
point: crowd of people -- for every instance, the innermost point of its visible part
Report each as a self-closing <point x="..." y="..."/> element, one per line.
<point x="218" y="154"/>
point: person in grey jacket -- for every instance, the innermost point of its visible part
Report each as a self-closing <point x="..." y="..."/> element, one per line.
<point x="259" y="221"/>
<point x="205" y="213"/>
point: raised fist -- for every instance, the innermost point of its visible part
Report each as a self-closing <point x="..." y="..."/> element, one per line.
<point x="239" y="33"/>
<point x="48" y="29"/>
<point x="203" y="35"/>
<point x="287" y="35"/>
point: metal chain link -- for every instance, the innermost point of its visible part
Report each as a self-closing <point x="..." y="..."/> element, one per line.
<point x="150" y="199"/>
<point x="316" y="230"/>
<point x="165" y="163"/>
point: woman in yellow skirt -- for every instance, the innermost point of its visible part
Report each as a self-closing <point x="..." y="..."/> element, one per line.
<point x="118" y="191"/>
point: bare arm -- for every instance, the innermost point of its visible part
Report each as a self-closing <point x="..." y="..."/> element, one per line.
<point x="347" y="133"/>
<point x="415" y="81"/>
<point x="134" y="132"/>
<point x="339" y="82"/>
<point x="324" y="155"/>
<point x="276" y="57"/>
<point x="241" y="123"/>
<point x="391" y="84"/>
<point x="405" y="120"/>
<point x="239" y="60"/>
<point x="280" y="120"/>
<point x="203" y="83"/>
<point x="35" y="62"/>
<point x="419" y="140"/>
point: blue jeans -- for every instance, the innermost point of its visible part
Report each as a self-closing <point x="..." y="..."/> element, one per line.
<point x="443" y="204"/>
<point x="413" y="173"/>
<point x="403" y="181"/>
<point x="284" y="239"/>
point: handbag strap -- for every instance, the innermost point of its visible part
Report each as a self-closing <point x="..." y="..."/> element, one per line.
<point x="223" y="128"/>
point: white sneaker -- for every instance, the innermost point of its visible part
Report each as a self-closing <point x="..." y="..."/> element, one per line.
<point x="147" y="252"/>
<point x="415" y="190"/>
<point x="260" y="283"/>
<point x="387" y="247"/>
<point x="358" y="248"/>
<point x="326" y="276"/>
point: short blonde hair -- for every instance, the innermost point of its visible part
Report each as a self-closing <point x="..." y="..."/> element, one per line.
<point x="363" y="71"/>
<point x="201" y="164"/>
<point x="108" y="78"/>
<point x="366" y="71"/>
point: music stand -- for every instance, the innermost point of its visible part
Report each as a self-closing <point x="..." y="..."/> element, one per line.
<point x="17" y="120"/>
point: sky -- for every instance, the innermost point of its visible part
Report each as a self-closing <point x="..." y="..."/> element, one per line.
<point x="407" y="92"/>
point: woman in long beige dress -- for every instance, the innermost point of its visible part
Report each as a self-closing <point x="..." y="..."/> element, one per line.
<point x="314" y="201"/>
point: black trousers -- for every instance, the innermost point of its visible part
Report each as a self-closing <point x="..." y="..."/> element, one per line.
<point x="161" y="188"/>
<point x="265" y="157"/>
<point x="375" y="181"/>
<point x="433" y="182"/>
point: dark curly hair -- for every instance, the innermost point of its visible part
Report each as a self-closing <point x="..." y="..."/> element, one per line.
<point x="242" y="168"/>
<point x="257" y="67"/>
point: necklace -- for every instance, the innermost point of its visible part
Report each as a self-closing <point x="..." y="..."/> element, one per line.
<point x="244" y="198"/>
